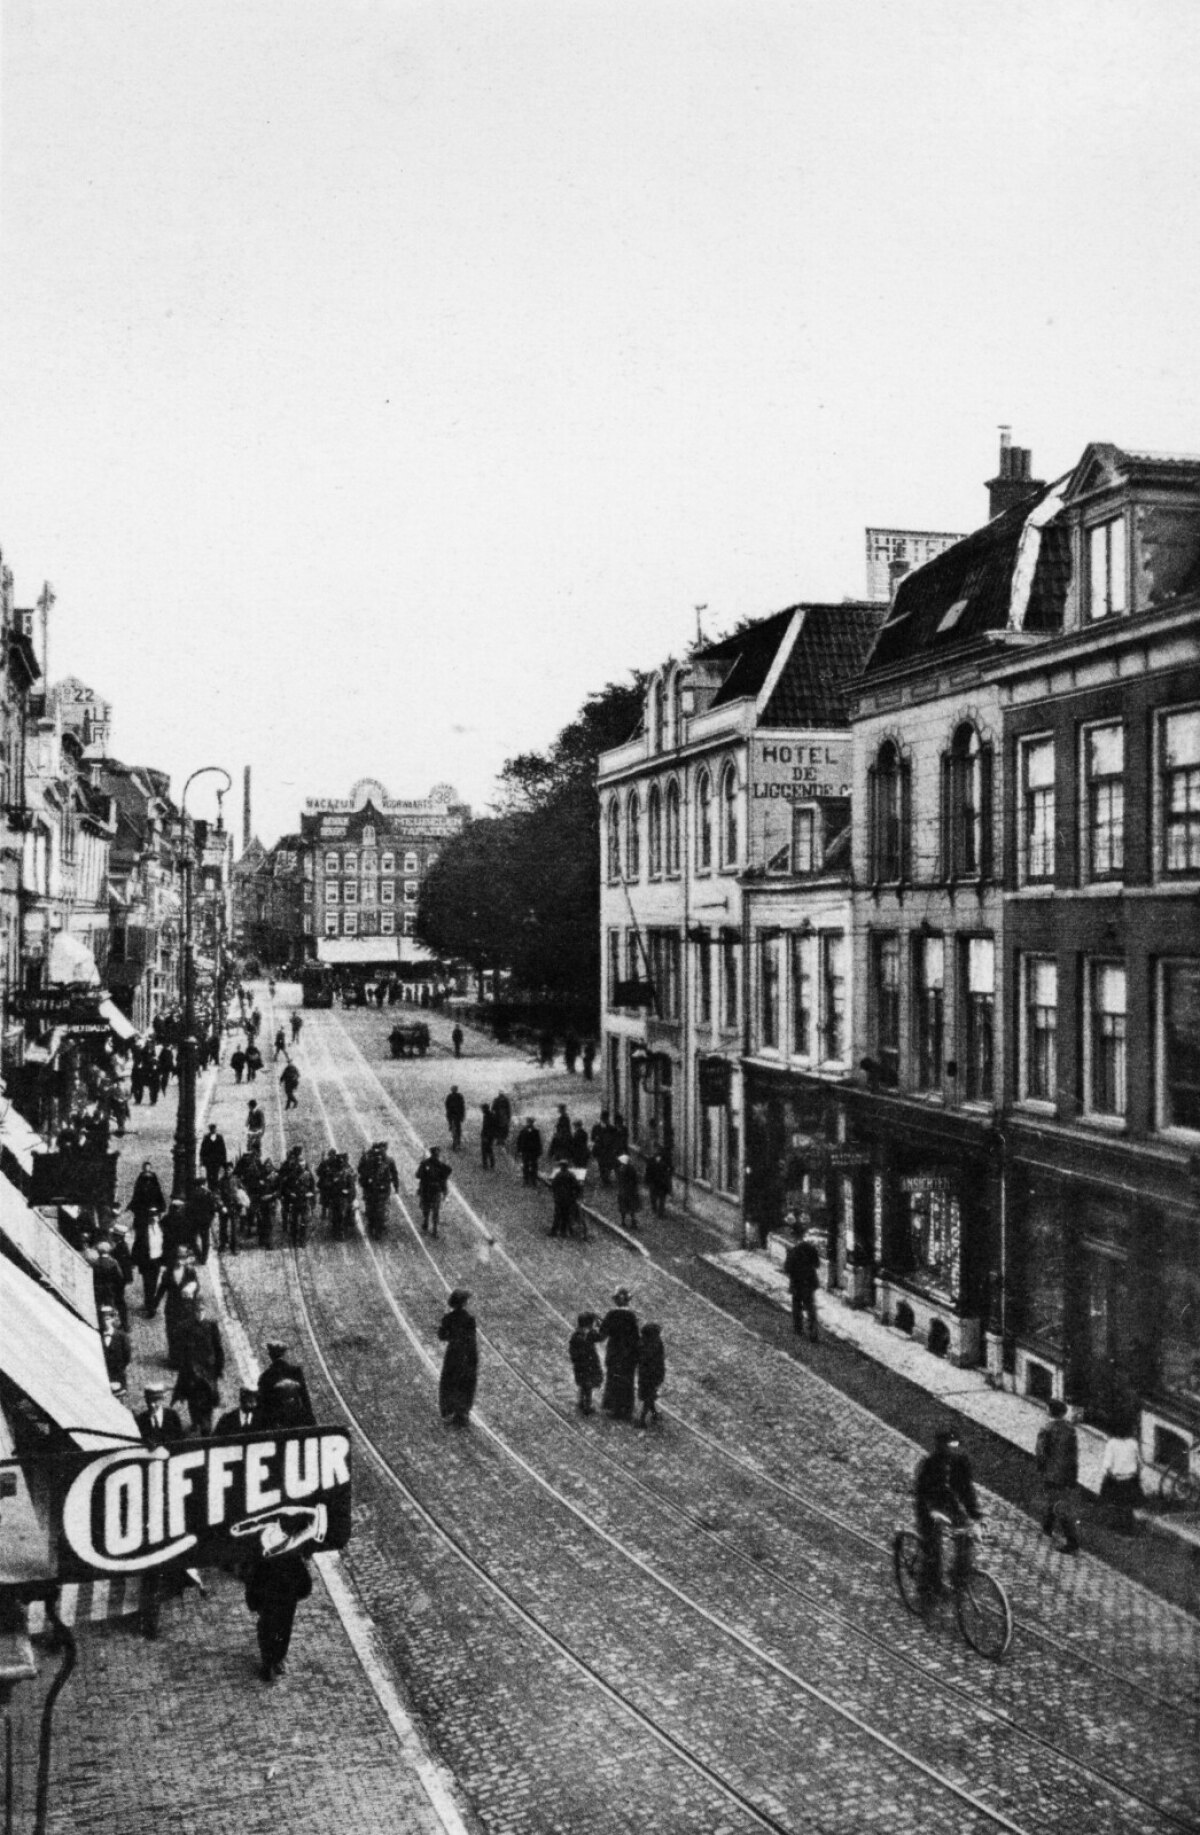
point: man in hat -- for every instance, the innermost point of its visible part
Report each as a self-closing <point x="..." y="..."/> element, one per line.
<point x="274" y="1588"/>
<point x="244" y="1418"/>
<point x="158" y="1424"/>
<point x="1058" y="1464"/>
<point x="433" y="1177"/>
<point x="943" y="1487"/>
<point x="619" y="1332"/>
<point x="529" y="1150"/>
<point x="802" y="1265"/>
<point x="214" y="1156"/>
<point x="201" y="1366"/>
<point x="114" y="1342"/>
<point x="108" y="1282"/>
<point x="281" y="1370"/>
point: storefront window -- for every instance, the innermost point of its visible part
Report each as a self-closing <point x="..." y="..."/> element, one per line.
<point x="935" y="1234"/>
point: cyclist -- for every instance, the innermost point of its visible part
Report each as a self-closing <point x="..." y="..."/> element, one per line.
<point x="943" y="1489"/>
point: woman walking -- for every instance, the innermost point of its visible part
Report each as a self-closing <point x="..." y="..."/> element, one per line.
<point x="460" y="1366"/>
<point x="619" y="1332"/>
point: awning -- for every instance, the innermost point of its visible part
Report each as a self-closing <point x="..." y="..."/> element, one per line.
<point x="19" y="1139"/>
<point x="54" y="1260"/>
<point x="382" y="950"/>
<point x="72" y="962"/>
<point x="57" y="1361"/>
<point x="110" y="1011"/>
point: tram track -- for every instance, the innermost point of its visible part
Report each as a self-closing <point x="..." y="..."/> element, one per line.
<point x="843" y="1625"/>
<point x="1054" y="1642"/>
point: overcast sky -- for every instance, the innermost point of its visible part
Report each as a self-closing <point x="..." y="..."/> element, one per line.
<point x="379" y="379"/>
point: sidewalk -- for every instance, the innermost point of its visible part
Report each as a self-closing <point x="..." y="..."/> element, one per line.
<point x="180" y="1733"/>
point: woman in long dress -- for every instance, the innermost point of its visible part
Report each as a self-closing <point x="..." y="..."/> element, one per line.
<point x="619" y="1333"/>
<point x="460" y="1366"/>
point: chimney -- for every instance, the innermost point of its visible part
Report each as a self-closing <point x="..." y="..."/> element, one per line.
<point x="245" y="807"/>
<point x="1012" y="484"/>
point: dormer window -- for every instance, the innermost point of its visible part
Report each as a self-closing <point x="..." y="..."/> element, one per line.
<point x="1107" y="584"/>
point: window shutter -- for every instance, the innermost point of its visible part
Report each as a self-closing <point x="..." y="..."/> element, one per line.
<point x="906" y="818"/>
<point x="986" y="862"/>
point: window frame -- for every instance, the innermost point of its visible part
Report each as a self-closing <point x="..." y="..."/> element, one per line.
<point x="1092" y="788"/>
<point x="978" y="1022"/>
<point x="1033" y="831"/>
<point x="1109" y="606"/>
<point x="1029" y="1033"/>
<point x="654" y="832"/>
<point x="633" y="836"/>
<point x="333" y="863"/>
<point x="928" y="1013"/>
<point x="333" y="923"/>
<point x="770" y="986"/>
<point x="1189" y="818"/>
<point x="803" y="997"/>
<point x="729" y="822"/>
<point x="968" y="805"/>
<point x="350" y="892"/>
<point x="613" y="842"/>
<point x="1116" y="1116"/>
<point x="673" y="829"/>
<point x="350" y="923"/>
<point x="833" y="1034"/>
<point x="387" y="891"/>
<point x="704" y="821"/>
<point x="332" y="893"/>
<point x="888" y="814"/>
<point x="387" y="923"/>
<point x="387" y="863"/>
<point x="1173" y="1130"/>
<point x="885" y="1005"/>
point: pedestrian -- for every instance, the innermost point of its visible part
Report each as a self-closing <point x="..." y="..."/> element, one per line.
<point x="529" y="1150"/>
<point x="175" y="1230"/>
<point x="802" y="1266"/>
<point x="546" y="1048"/>
<point x="619" y="1332"/>
<point x="254" y="1062"/>
<point x="589" y="1059"/>
<point x="502" y="1116"/>
<point x="137" y="1075"/>
<point x="157" y="1424"/>
<point x="297" y="1023"/>
<point x="244" y="1418"/>
<point x="114" y="1342"/>
<point x="275" y="1587"/>
<point x="460" y="1366"/>
<point x="604" y="1147"/>
<point x="487" y="1137"/>
<point x="433" y="1177"/>
<point x="585" y="1360"/>
<point x="456" y="1114"/>
<point x="581" y="1147"/>
<point x="456" y="1039"/>
<point x="256" y="1127"/>
<point x="629" y="1202"/>
<point x="560" y="1140"/>
<point x="651" y="1371"/>
<point x="148" y="1258"/>
<point x="201" y="1366"/>
<point x="571" y="1051"/>
<point x="289" y="1080"/>
<point x="943" y="1488"/>
<point x="280" y="1045"/>
<point x="237" y="1062"/>
<point x="565" y="1193"/>
<point x="658" y="1181"/>
<point x="166" y="1067"/>
<point x="279" y="1372"/>
<point x="1058" y="1463"/>
<point x="108" y="1280"/>
<point x="1120" y="1480"/>
<point x="214" y="1156"/>
<point x="620" y="1136"/>
<point x="201" y="1211"/>
<point x="177" y="1290"/>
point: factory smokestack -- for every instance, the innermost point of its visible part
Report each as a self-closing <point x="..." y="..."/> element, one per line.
<point x="245" y="808"/>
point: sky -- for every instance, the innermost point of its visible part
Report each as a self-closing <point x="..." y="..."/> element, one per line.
<point x="379" y="379"/>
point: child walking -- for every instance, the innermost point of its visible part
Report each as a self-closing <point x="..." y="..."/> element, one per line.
<point x="651" y="1371"/>
<point x="585" y="1360"/>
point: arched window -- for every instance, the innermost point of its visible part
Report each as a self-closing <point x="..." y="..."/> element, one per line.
<point x="654" y="831"/>
<point x="888" y="815"/>
<point x="658" y="714"/>
<point x="614" y="839"/>
<point x="633" y="836"/>
<point x="368" y="836"/>
<point x="673" y="826"/>
<point x="729" y="817"/>
<point x="677" y="707"/>
<point x="703" y="823"/>
<point x="967" y="806"/>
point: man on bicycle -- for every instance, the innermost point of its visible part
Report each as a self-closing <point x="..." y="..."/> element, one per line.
<point x="943" y="1488"/>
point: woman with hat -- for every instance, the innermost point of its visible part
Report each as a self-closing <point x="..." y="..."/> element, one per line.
<point x="460" y="1367"/>
<point x="619" y="1332"/>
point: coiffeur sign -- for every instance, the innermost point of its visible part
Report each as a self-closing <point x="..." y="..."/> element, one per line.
<point x="141" y="1507"/>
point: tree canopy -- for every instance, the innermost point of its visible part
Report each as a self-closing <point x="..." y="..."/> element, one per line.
<point x="520" y="890"/>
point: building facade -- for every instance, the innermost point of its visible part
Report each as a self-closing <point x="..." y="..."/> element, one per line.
<point x="720" y="823"/>
<point x="362" y="859"/>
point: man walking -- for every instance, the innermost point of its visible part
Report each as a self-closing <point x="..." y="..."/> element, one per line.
<point x="456" y="1039"/>
<point x="1058" y="1462"/>
<point x="290" y="1079"/>
<point x="802" y="1265"/>
<point x="456" y="1114"/>
<point x="214" y="1156"/>
<point x="433" y="1177"/>
<point x="529" y="1150"/>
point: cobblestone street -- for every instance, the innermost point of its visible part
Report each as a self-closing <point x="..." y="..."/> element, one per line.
<point x="692" y="1628"/>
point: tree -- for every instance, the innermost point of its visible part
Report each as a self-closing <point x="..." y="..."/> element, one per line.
<point x="521" y="889"/>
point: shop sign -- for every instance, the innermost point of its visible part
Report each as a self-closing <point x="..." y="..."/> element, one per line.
<point x="790" y="773"/>
<point x="633" y="994"/>
<point x="848" y="1159"/>
<point x="141" y="1507"/>
<point x="57" y="1008"/>
<point x="715" y="1078"/>
<point x="927" y="1184"/>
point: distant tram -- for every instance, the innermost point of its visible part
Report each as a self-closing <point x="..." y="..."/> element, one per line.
<point x="316" y="985"/>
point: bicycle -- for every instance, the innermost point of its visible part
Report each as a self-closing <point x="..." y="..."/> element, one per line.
<point x="980" y="1602"/>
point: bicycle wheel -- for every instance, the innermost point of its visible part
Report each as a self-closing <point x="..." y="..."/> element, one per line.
<point x="908" y="1562"/>
<point x="1181" y="1485"/>
<point x="984" y="1614"/>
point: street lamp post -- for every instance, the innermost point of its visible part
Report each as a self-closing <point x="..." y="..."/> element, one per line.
<point x="185" y="1127"/>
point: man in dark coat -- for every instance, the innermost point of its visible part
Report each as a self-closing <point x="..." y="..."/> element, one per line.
<point x="290" y="1080"/>
<point x="529" y="1148"/>
<point x="108" y="1282"/>
<point x="147" y="1196"/>
<point x="802" y="1265"/>
<point x="177" y="1288"/>
<point x="280" y="1370"/>
<point x="1058" y="1464"/>
<point x="433" y="1178"/>
<point x="237" y="1062"/>
<point x="158" y="1425"/>
<point x="201" y="1366"/>
<point x="619" y="1332"/>
<point x="114" y="1342"/>
<point x="943" y="1485"/>
<point x="658" y="1181"/>
<point x="274" y="1588"/>
<point x="456" y="1039"/>
<point x="214" y="1156"/>
<point x="166" y="1066"/>
<point x="604" y="1147"/>
<point x="585" y="1360"/>
<point x="460" y="1366"/>
<point x="502" y="1116"/>
<point x="244" y="1418"/>
<point x="565" y="1192"/>
<point x="456" y="1114"/>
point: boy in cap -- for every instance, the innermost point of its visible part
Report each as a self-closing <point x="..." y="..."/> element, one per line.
<point x="585" y="1360"/>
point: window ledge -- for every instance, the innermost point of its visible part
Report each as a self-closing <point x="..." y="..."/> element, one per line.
<point x="1108" y="1124"/>
<point x="1034" y="1105"/>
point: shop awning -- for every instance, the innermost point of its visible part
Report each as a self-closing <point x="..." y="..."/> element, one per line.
<point x="19" y="1139"/>
<point x="117" y="1021"/>
<point x="56" y="1360"/>
<point x="39" y="1244"/>
<point x="72" y="962"/>
<point x="381" y="950"/>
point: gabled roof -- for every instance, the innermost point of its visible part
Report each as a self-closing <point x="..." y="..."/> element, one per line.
<point x="831" y="647"/>
<point x="1102" y="464"/>
<point x="961" y="595"/>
